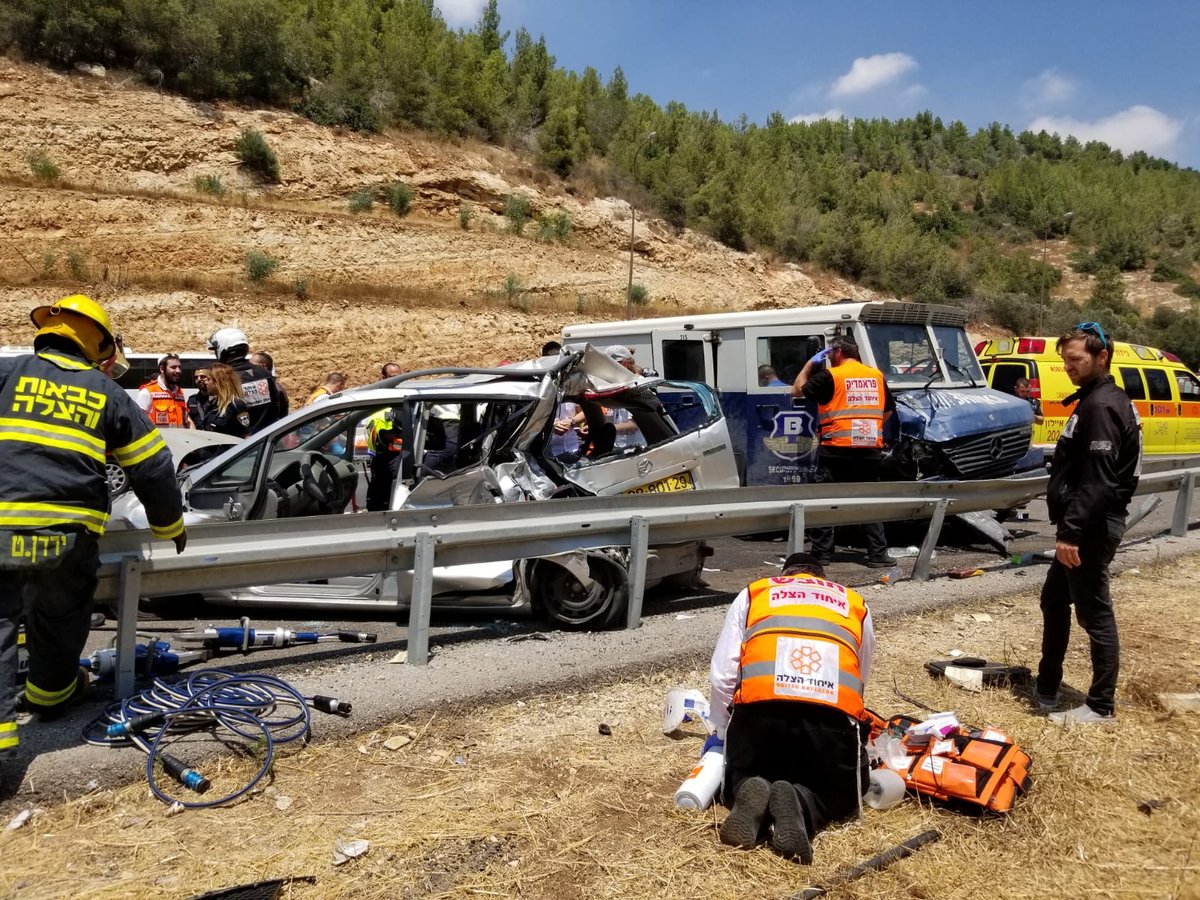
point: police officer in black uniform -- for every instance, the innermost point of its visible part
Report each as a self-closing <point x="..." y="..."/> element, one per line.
<point x="61" y="419"/>
<point x="260" y="390"/>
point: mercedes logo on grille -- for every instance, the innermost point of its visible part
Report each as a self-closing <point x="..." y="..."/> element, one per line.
<point x="996" y="448"/>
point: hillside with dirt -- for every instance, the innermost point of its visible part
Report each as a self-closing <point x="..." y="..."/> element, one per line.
<point x="125" y="223"/>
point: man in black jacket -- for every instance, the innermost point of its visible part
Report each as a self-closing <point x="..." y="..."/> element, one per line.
<point x="1095" y="471"/>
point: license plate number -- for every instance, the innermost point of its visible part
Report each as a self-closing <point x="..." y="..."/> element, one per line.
<point x="669" y="485"/>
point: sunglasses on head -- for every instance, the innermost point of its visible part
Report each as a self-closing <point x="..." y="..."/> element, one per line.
<point x="1094" y="328"/>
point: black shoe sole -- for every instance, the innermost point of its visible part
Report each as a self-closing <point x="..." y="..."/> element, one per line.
<point x="742" y="825"/>
<point x="880" y="563"/>
<point x="790" y="837"/>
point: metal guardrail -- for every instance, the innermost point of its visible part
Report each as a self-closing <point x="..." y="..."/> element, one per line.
<point x="238" y="554"/>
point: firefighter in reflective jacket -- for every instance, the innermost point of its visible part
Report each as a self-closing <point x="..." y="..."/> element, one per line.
<point x="61" y="418"/>
<point x="853" y="404"/>
<point x="787" y="704"/>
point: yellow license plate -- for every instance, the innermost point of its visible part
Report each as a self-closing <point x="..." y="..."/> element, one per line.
<point x="669" y="485"/>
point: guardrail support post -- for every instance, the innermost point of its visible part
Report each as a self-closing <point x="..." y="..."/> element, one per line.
<point x="421" y="601"/>
<point x="129" y="588"/>
<point x="921" y="569"/>
<point x="796" y="534"/>
<point x="1183" y="505"/>
<point x="639" y="547"/>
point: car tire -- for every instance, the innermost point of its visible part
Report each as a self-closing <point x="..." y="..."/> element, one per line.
<point x="569" y="604"/>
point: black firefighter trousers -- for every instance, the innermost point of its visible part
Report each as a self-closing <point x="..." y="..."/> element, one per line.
<point x="57" y="604"/>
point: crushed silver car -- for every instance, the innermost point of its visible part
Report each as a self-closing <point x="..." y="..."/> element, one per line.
<point x="573" y="425"/>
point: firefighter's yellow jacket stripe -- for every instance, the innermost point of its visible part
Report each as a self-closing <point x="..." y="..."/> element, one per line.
<point x="45" y="434"/>
<point x="8" y="735"/>
<point x="32" y="514"/>
<point x="141" y="449"/>
<point x="167" y="532"/>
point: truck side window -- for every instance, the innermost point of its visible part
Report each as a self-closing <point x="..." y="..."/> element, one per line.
<point x="683" y="360"/>
<point x="1160" y="384"/>
<point x="1131" y="380"/>
<point x="1189" y="386"/>
<point x="785" y="356"/>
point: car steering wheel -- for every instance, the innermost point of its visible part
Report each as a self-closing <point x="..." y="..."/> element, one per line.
<point x="321" y="481"/>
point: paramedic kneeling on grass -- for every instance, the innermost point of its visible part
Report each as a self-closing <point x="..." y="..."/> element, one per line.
<point x="791" y="662"/>
<point x="1095" y="471"/>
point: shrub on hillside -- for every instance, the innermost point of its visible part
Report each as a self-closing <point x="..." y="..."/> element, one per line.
<point x="77" y="264"/>
<point x="260" y="266"/>
<point x="43" y="166"/>
<point x="208" y="184"/>
<point x="400" y="198"/>
<point x="518" y="212"/>
<point x="362" y="200"/>
<point x="255" y="154"/>
<point x="639" y="294"/>
<point x="465" y="213"/>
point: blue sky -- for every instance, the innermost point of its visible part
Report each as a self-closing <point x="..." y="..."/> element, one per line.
<point x="1124" y="73"/>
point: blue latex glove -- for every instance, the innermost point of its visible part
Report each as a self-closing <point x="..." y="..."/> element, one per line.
<point x="820" y="356"/>
<point x="713" y="743"/>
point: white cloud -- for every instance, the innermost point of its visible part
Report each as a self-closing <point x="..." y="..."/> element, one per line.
<point x="870" y="72"/>
<point x="832" y="114"/>
<point x="1137" y="128"/>
<point x="913" y="91"/>
<point x="1049" y="88"/>
<point x="461" y="13"/>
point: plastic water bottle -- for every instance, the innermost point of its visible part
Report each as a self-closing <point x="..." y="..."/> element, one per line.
<point x="1022" y="559"/>
<point x="891" y="576"/>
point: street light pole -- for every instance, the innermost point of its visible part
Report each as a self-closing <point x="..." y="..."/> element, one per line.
<point x="1066" y="217"/>
<point x="633" y="224"/>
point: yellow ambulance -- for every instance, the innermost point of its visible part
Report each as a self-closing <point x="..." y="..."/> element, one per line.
<point x="1165" y="393"/>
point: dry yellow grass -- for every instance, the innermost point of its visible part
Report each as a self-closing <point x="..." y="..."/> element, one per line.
<point x="528" y="799"/>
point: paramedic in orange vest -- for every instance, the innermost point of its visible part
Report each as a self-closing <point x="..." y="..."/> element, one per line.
<point x="853" y="405"/>
<point x="787" y="681"/>
<point x="163" y="399"/>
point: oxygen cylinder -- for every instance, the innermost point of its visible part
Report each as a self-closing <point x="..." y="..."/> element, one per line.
<point x="702" y="783"/>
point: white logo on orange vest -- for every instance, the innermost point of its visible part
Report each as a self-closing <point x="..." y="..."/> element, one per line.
<point x="807" y="669"/>
<point x="828" y="594"/>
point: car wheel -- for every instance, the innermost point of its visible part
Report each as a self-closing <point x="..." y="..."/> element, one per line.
<point x="572" y="604"/>
<point x="118" y="483"/>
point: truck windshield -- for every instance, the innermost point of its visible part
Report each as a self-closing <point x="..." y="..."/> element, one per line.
<point x="907" y="357"/>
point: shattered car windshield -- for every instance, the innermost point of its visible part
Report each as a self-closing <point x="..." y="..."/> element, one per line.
<point x="907" y="357"/>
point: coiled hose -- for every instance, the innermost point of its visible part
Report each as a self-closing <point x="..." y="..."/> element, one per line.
<point x="261" y="710"/>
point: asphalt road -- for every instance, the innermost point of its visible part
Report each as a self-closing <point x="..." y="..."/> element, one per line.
<point x="483" y="658"/>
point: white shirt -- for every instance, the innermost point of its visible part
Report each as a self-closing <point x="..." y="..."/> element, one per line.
<point x="727" y="658"/>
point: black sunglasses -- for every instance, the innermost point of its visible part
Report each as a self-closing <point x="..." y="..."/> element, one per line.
<point x="1094" y="328"/>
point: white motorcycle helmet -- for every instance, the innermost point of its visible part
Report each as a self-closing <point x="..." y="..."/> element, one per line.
<point x="227" y="339"/>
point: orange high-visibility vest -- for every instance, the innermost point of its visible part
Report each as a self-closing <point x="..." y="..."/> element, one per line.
<point x="854" y="417"/>
<point x="168" y="409"/>
<point x="801" y="643"/>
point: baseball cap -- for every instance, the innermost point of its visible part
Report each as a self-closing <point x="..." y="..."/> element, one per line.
<point x="619" y="352"/>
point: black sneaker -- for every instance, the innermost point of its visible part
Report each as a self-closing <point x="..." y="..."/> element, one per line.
<point x="742" y="825"/>
<point x="880" y="562"/>
<point x="790" y="837"/>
